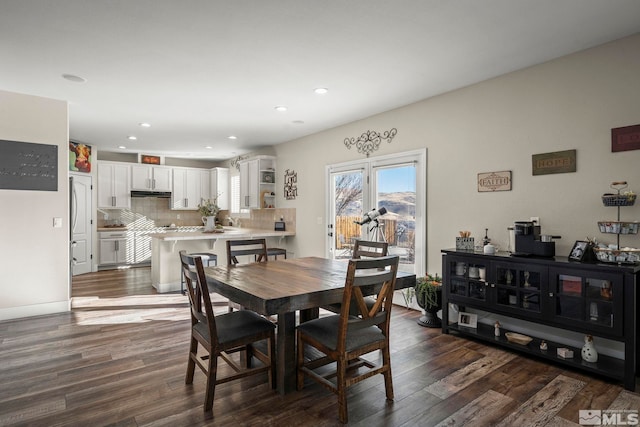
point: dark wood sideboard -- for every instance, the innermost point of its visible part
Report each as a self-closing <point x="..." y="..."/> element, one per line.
<point x="597" y="299"/>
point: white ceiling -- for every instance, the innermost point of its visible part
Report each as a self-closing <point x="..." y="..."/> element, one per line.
<point x="201" y="70"/>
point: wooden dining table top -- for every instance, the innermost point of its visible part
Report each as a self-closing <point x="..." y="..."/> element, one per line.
<point x="275" y="287"/>
<point x="284" y="288"/>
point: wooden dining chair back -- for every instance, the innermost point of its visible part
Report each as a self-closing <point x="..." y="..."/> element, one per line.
<point x="363" y="249"/>
<point x="254" y="249"/>
<point x="344" y="338"/>
<point x="221" y="336"/>
<point x="369" y="249"/>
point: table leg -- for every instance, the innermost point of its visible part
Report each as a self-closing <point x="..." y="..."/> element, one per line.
<point x="286" y="353"/>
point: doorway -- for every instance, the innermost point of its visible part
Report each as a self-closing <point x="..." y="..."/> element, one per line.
<point x="363" y="190"/>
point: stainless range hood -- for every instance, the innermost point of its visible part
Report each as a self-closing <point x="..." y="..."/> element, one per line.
<point x="161" y="194"/>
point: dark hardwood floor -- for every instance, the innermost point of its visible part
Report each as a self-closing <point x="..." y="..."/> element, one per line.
<point x="119" y="358"/>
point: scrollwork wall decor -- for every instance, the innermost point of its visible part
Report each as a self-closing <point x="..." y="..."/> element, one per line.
<point x="290" y="184"/>
<point x="236" y="162"/>
<point x="370" y="140"/>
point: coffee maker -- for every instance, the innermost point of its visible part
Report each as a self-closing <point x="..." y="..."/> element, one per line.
<point x="529" y="243"/>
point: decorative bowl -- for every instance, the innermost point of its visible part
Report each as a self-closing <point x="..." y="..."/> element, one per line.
<point x="518" y="338"/>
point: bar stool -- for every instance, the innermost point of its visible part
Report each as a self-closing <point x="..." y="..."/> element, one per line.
<point x="276" y="251"/>
<point x="206" y="257"/>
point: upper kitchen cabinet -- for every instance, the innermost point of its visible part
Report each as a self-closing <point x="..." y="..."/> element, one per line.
<point x="114" y="189"/>
<point x="150" y="178"/>
<point x="220" y="186"/>
<point x="190" y="188"/>
<point x="257" y="182"/>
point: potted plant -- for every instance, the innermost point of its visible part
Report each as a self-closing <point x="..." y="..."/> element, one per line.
<point x="209" y="209"/>
<point x="428" y="291"/>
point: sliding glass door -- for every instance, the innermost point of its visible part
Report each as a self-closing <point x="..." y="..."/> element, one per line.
<point x="361" y="191"/>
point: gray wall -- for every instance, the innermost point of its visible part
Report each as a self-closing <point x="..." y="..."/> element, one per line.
<point x="569" y="103"/>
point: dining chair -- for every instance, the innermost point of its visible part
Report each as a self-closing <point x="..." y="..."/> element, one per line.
<point x="241" y="248"/>
<point x="207" y="257"/>
<point x="221" y="336"/>
<point x="363" y="249"/>
<point x="343" y="339"/>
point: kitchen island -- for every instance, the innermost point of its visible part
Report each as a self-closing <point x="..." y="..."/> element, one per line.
<point x="165" y="263"/>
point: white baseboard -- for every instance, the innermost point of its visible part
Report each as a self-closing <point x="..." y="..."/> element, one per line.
<point x="35" y="310"/>
<point x="166" y="287"/>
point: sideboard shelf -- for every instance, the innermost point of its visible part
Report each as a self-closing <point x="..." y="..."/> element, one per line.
<point x="554" y="292"/>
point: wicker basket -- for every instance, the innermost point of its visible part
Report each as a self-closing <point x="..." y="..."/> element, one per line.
<point x="618" y="256"/>
<point x="618" y="199"/>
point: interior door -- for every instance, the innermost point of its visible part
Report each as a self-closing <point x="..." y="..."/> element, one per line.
<point x="81" y="242"/>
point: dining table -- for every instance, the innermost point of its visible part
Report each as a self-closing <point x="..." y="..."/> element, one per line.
<point x="290" y="289"/>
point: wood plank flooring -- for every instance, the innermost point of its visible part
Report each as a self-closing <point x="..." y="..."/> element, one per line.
<point x="119" y="359"/>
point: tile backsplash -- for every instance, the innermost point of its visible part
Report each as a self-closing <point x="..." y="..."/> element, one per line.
<point x="148" y="212"/>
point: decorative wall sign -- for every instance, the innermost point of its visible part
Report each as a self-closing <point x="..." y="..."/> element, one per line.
<point x="494" y="181"/>
<point x="79" y="157"/>
<point x="150" y="160"/>
<point x="625" y="138"/>
<point x="290" y="184"/>
<point x="370" y="141"/>
<point x="556" y="162"/>
<point x="28" y="166"/>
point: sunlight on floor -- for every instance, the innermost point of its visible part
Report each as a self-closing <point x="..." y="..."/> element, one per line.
<point x="95" y="310"/>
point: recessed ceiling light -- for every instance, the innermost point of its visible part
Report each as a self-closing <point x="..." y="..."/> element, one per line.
<point x="280" y="108"/>
<point x="208" y="147"/>
<point x="132" y="138"/>
<point x="74" y="78"/>
<point x="122" y="147"/>
<point x="321" y="90"/>
<point x="232" y="137"/>
<point x="144" y="125"/>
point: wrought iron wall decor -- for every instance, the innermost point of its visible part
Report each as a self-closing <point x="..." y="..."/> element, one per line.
<point x="236" y="162"/>
<point x="370" y="140"/>
<point x="290" y="184"/>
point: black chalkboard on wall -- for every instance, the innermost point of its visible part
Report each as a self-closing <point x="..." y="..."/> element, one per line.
<point x="28" y="166"/>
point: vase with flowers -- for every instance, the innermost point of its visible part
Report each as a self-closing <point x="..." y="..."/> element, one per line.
<point x="209" y="209"/>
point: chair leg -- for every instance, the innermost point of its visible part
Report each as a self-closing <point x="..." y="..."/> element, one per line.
<point x="341" y="380"/>
<point x="249" y="355"/>
<point x="388" y="382"/>
<point x="211" y="382"/>
<point x="191" y="364"/>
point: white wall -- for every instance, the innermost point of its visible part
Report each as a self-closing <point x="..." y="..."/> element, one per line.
<point x="34" y="256"/>
<point x="569" y="103"/>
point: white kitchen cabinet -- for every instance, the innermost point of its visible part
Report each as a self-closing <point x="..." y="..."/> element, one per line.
<point x="190" y="187"/>
<point x="115" y="248"/>
<point x="150" y="178"/>
<point x="205" y="185"/>
<point x="114" y="189"/>
<point x="142" y="245"/>
<point x="220" y="186"/>
<point x="257" y="182"/>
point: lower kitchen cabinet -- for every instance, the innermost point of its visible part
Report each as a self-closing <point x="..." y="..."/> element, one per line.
<point x="115" y="248"/>
<point x="593" y="299"/>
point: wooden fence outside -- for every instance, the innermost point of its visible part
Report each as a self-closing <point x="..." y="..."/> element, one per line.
<point x="346" y="230"/>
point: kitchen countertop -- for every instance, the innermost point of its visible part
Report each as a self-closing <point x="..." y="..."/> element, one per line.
<point x="229" y="233"/>
<point x="159" y="229"/>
